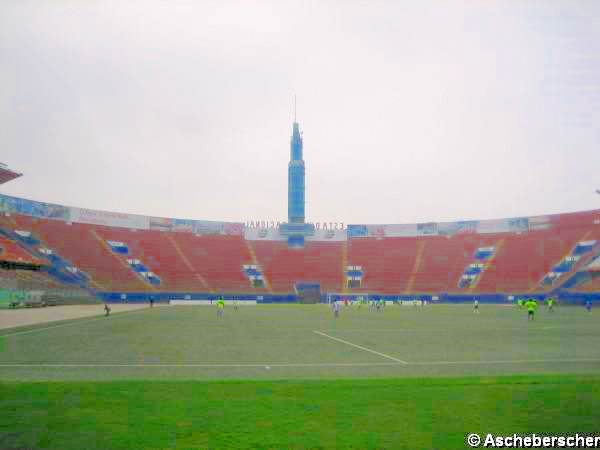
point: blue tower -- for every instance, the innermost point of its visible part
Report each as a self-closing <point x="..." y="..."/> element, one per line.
<point x="296" y="229"/>
<point x="296" y="185"/>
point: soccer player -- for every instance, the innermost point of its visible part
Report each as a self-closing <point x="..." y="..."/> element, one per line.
<point x="520" y="303"/>
<point x="588" y="305"/>
<point x="476" y="306"/>
<point x="551" y="304"/>
<point x="531" y="305"/>
<point x="106" y="310"/>
<point x="235" y="305"/>
<point x="220" y="306"/>
<point x="336" y="309"/>
<point x="151" y="302"/>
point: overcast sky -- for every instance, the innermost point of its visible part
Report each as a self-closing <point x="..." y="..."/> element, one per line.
<point x="412" y="111"/>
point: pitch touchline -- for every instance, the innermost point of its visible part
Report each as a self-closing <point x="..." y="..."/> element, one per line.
<point x="270" y="365"/>
<point x="505" y="361"/>
<point x="361" y="347"/>
<point x="208" y="365"/>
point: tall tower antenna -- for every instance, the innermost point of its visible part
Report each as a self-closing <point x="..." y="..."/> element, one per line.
<point x="296" y="175"/>
<point x="296" y="229"/>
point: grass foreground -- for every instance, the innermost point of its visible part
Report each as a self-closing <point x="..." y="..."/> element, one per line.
<point x="377" y="413"/>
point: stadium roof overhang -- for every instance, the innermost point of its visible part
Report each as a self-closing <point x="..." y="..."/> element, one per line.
<point x="7" y="175"/>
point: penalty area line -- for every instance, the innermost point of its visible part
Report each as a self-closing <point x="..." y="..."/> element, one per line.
<point x="360" y="347"/>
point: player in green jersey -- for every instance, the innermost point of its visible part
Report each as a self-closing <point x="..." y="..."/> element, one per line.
<point x="531" y="306"/>
<point x="220" y="307"/>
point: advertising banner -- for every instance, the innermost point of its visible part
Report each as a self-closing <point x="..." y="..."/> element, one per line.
<point x="540" y="223"/>
<point x="493" y="226"/>
<point x="328" y="235"/>
<point x="357" y="231"/>
<point x="233" y="228"/>
<point x="427" y="229"/>
<point x="111" y="219"/>
<point x="263" y="234"/>
<point x="366" y="231"/>
<point x="31" y="208"/>
<point x="404" y="230"/>
<point x="451" y="228"/>
<point x="161" y="223"/>
<point x="518" y="224"/>
<point x="208" y="227"/>
<point x="376" y="230"/>
<point x="183" y="225"/>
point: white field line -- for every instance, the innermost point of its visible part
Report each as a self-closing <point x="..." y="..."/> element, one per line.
<point x="283" y="365"/>
<point x="205" y="366"/>
<point x="507" y="361"/>
<point x="444" y="330"/>
<point x="75" y="322"/>
<point x="361" y="347"/>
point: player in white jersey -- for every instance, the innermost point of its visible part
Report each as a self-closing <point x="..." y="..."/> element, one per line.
<point x="336" y="309"/>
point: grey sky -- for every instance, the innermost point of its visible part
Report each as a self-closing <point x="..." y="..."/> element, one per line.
<point x="411" y="111"/>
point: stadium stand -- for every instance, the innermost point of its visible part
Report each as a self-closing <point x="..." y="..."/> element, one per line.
<point x="444" y="259"/>
<point x="160" y="254"/>
<point x="12" y="252"/>
<point x="545" y="254"/>
<point x="591" y="283"/>
<point x="219" y="260"/>
<point x="316" y="262"/>
<point x="524" y="259"/>
<point x="81" y="244"/>
<point x="387" y="263"/>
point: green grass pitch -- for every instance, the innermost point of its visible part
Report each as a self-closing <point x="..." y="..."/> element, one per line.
<point x="292" y="376"/>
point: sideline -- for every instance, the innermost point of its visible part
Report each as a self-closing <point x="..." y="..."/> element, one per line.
<point x="272" y="365"/>
<point x="206" y="366"/>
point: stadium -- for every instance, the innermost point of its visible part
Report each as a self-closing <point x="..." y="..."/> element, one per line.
<point x="413" y="277"/>
<point x="119" y="257"/>
<point x="120" y="330"/>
